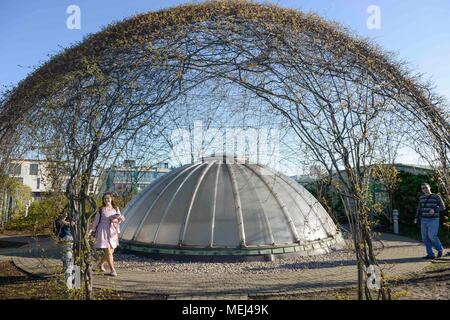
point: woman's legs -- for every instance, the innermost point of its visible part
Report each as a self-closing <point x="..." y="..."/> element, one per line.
<point x="103" y="259"/>
<point x="110" y="259"/>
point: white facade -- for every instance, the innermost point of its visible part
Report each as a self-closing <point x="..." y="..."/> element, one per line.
<point x="31" y="173"/>
<point x="34" y="173"/>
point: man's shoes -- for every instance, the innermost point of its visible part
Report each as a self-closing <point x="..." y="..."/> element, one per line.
<point x="428" y="257"/>
<point x="439" y="254"/>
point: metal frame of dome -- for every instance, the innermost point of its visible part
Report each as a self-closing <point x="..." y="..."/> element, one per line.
<point x="267" y="214"/>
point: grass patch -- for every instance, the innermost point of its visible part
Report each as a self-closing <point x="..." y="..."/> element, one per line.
<point x="15" y="284"/>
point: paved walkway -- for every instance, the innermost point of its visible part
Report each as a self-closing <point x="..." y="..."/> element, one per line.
<point x="399" y="257"/>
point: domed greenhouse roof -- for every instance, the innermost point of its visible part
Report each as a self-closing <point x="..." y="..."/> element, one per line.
<point x="227" y="208"/>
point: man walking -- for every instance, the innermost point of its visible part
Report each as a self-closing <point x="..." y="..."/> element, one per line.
<point x="430" y="205"/>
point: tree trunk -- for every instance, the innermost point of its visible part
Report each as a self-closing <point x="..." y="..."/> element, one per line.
<point x="360" y="280"/>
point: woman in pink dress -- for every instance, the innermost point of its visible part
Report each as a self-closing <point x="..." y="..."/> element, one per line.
<point x="107" y="231"/>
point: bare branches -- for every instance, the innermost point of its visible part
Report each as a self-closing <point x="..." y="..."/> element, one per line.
<point x="131" y="84"/>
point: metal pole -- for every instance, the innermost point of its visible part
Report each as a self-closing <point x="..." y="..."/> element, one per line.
<point x="8" y="208"/>
<point x="27" y="206"/>
<point x="395" y="218"/>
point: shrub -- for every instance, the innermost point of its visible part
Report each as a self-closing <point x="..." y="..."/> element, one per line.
<point x="406" y="195"/>
<point x="41" y="214"/>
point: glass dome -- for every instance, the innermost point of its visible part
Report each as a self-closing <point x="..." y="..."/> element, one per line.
<point x="226" y="207"/>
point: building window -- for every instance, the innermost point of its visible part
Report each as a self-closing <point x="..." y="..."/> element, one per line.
<point x="38" y="183"/>
<point x="34" y="169"/>
<point x="36" y="195"/>
<point x="19" y="179"/>
<point x="16" y="169"/>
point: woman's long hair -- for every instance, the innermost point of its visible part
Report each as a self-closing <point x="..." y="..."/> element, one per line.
<point x="103" y="201"/>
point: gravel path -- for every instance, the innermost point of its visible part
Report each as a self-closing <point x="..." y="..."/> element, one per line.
<point x="332" y="259"/>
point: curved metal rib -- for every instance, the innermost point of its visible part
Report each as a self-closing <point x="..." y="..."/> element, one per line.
<point x="295" y="187"/>
<point x="140" y="196"/>
<point x="266" y="219"/>
<point x="213" y="222"/>
<point x="191" y="203"/>
<point x="138" y="229"/>
<point x="237" y="205"/>
<point x="173" y="198"/>
<point x="283" y="207"/>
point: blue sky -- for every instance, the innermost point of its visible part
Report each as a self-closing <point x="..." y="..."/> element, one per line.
<point x="418" y="31"/>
